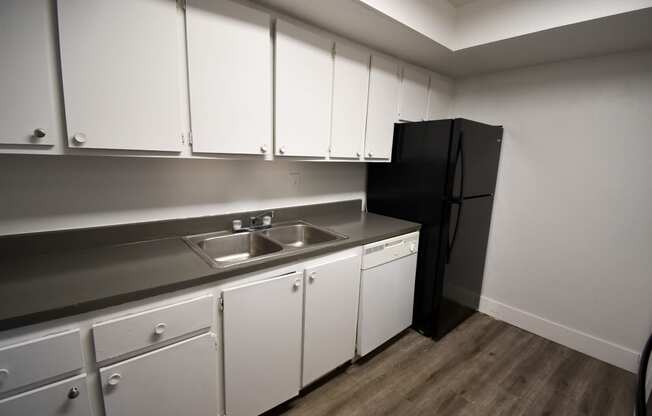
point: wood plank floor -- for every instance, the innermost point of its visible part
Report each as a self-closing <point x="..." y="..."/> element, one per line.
<point x="485" y="367"/>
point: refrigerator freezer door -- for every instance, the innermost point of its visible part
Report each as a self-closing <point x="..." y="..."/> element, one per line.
<point x="474" y="162"/>
<point x="463" y="271"/>
<point x="412" y="187"/>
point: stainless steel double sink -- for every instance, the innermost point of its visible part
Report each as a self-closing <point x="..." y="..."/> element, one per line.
<point x="225" y="248"/>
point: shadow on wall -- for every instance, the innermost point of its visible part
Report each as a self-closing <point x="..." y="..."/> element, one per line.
<point x="48" y="193"/>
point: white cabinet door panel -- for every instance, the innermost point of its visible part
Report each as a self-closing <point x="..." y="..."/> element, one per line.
<point x="304" y="77"/>
<point x="414" y="94"/>
<point x="330" y="316"/>
<point x="262" y="344"/>
<point x="65" y="398"/>
<point x="120" y="74"/>
<point x="386" y="302"/>
<point x="26" y="88"/>
<point x="382" y="109"/>
<point x="350" y="93"/>
<point x="230" y="74"/>
<point x="176" y="380"/>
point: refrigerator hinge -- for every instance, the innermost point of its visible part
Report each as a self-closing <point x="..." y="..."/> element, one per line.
<point x="220" y="303"/>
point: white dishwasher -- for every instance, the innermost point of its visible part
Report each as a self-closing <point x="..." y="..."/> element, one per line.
<point x="386" y="290"/>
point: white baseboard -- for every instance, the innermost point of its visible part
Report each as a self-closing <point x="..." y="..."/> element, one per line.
<point x="572" y="338"/>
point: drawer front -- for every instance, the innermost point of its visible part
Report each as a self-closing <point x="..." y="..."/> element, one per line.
<point x="65" y="398"/>
<point x="140" y="330"/>
<point x="39" y="359"/>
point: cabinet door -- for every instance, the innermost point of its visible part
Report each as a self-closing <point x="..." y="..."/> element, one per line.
<point x="26" y="88"/>
<point x="230" y="74"/>
<point x="383" y="105"/>
<point x="304" y="77"/>
<point x="414" y="94"/>
<point x="65" y="398"/>
<point x="170" y="381"/>
<point x="386" y="302"/>
<point x="262" y="344"/>
<point x="330" y="316"/>
<point x="120" y="74"/>
<point x="350" y="92"/>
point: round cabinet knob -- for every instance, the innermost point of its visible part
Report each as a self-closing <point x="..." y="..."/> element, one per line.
<point x="357" y="154"/>
<point x="370" y="154"/>
<point x="297" y="283"/>
<point x="281" y="150"/>
<point x="40" y="133"/>
<point x="413" y="248"/>
<point x="263" y="149"/>
<point x="114" y="379"/>
<point x="4" y="375"/>
<point x="159" y="329"/>
<point x="73" y="393"/>
<point x="312" y="276"/>
<point x="79" y="138"/>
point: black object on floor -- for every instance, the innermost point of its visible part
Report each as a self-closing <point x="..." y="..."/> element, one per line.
<point x="641" y="406"/>
<point x="442" y="175"/>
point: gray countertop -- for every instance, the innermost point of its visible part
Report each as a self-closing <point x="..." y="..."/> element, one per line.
<point x="51" y="285"/>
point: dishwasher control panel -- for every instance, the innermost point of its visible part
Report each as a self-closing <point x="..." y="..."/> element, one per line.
<point x="381" y="252"/>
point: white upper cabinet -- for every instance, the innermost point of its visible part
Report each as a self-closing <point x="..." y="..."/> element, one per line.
<point x="382" y="108"/>
<point x="230" y="74"/>
<point x="120" y="68"/>
<point x="440" y="97"/>
<point x="304" y="76"/>
<point x="350" y="94"/>
<point x="414" y="94"/>
<point x="26" y="85"/>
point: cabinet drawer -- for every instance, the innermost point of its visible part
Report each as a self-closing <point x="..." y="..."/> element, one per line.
<point x="180" y="379"/>
<point x="140" y="330"/>
<point x="65" y="398"/>
<point x="39" y="359"/>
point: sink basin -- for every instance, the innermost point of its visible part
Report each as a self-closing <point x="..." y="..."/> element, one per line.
<point x="300" y="235"/>
<point x="224" y="249"/>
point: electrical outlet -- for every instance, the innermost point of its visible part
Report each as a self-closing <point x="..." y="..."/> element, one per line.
<point x="295" y="180"/>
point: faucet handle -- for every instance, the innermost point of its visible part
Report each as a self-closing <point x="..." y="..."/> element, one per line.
<point x="267" y="220"/>
<point x="237" y="225"/>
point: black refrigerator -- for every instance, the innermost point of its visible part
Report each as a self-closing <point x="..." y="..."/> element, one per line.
<point x="442" y="175"/>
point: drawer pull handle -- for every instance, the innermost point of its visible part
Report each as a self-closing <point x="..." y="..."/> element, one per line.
<point x="4" y="374"/>
<point x="114" y="379"/>
<point x="159" y="329"/>
<point x="73" y="393"/>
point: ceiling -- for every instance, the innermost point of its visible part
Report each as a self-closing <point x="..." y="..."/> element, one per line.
<point x="355" y="20"/>
<point x="460" y="3"/>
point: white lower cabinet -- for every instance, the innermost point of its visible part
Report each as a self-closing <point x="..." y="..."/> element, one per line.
<point x="331" y="299"/>
<point x="262" y="344"/>
<point x="65" y="398"/>
<point x="175" y="380"/>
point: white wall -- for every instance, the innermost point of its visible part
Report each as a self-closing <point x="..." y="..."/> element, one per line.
<point x="486" y="21"/>
<point x="59" y="192"/>
<point x="569" y="254"/>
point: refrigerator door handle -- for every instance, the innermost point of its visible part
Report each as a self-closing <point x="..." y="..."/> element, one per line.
<point x="459" y="201"/>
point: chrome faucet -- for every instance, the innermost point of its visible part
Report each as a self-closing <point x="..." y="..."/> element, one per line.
<point x="256" y="222"/>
